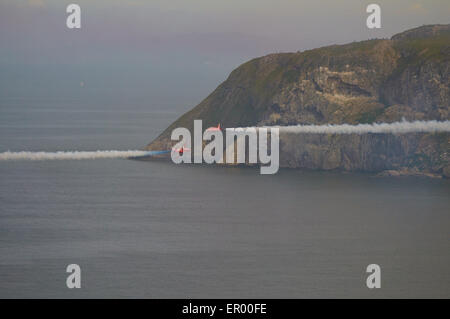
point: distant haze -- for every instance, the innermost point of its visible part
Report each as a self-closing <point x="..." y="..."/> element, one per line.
<point x="176" y="51"/>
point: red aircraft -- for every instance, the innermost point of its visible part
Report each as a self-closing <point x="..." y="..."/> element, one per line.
<point x="214" y="128"/>
<point x="181" y="150"/>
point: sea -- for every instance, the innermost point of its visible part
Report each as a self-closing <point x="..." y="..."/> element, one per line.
<point x="154" y="229"/>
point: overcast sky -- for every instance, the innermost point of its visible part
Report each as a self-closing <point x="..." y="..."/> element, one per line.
<point x="196" y="41"/>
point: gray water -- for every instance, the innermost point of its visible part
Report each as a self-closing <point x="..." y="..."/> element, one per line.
<point x="156" y="230"/>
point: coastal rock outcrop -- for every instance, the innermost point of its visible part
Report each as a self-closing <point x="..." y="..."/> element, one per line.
<point x="387" y="80"/>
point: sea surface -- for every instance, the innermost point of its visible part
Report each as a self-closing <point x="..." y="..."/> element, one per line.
<point x="160" y="230"/>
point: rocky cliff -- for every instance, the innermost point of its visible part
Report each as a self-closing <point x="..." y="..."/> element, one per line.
<point x="387" y="80"/>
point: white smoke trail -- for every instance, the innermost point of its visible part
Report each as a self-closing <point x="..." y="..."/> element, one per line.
<point x="76" y="155"/>
<point x="394" y="128"/>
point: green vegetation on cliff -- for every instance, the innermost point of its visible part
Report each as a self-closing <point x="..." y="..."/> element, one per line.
<point x="383" y="80"/>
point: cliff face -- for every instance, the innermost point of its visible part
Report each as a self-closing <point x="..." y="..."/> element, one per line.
<point x="416" y="153"/>
<point x="362" y="82"/>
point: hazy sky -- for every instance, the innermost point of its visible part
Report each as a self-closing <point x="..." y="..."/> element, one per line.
<point x="183" y="45"/>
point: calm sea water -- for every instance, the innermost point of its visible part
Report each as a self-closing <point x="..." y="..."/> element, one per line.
<point x="154" y="229"/>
